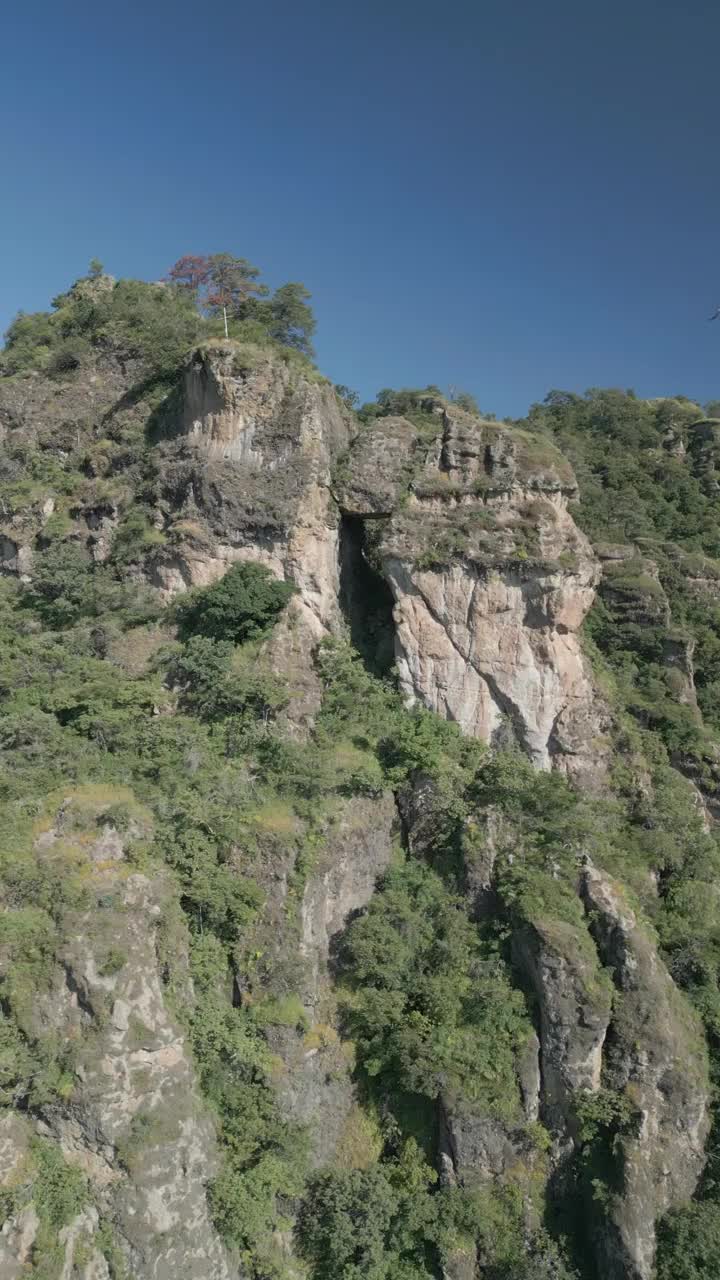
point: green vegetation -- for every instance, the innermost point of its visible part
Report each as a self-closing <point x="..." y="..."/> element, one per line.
<point x="157" y="323"/>
<point x="372" y="1224"/>
<point x="417" y="404"/>
<point x="164" y="725"/>
<point x="689" y="1244"/>
<point x="432" y="1008"/>
<point x="146" y="321"/>
<point x="241" y="606"/>
<point x="645" y="470"/>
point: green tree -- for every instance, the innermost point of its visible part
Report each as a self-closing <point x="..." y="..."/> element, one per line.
<point x="232" y="282"/>
<point x="62" y="585"/>
<point x="347" y="395"/>
<point x="371" y="1224"/>
<point x="432" y="1008"/>
<point x="689" y="1244"/>
<point x="291" y="318"/>
<point x="242" y="605"/>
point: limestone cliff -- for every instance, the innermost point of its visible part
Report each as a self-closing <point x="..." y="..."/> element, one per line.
<point x="657" y="1056"/>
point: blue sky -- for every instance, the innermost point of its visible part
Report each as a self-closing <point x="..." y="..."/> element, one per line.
<point x="504" y="196"/>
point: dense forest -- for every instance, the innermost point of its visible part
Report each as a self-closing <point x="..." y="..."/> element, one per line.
<point x="206" y="746"/>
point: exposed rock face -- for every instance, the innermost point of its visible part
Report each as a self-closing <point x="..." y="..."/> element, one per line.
<point x="468" y="524"/>
<point x="491" y="579"/>
<point x="15" y="559"/>
<point x="135" y="1123"/>
<point x="138" y="1097"/>
<point x="250" y="468"/>
<point x="632" y="590"/>
<point x="656" y="1056"/>
<point x="575" y="1006"/>
<point x="357" y="852"/>
<point x="316" y="1087"/>
<point x="246" y="477"/>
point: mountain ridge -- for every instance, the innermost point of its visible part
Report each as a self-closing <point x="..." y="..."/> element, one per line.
<point x="427" y="857"/>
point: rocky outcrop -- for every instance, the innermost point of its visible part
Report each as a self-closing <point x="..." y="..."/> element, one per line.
<point x="357" y="851"/>
<point x="491" y="579"/>
<point x="134" y="1124"/>
<point x="243" y="474"/>
<point x="315" y="1085"/>
<point x="46" y="420"/>
<point x="248" y="465"/>
<point x="574" y="1004"/>
<point x="632" y="589"/>
<point x="656" y="1057"/>
<point x="15" y="558"/>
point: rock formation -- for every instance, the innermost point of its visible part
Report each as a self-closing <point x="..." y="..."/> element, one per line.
<point x="491" y="579"/>
<point x="135" y="1125"/>
<point x="467" y="523"/>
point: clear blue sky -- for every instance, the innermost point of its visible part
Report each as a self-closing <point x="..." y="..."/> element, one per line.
<point x="507" y="196"/>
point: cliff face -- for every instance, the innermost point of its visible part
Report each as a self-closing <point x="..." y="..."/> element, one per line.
<point x="246" y="477"/>
<point x="135" y="1125"/>
<point x="251" y="461"/>
<point x="467" y="523"/>
<point x="491" y="579"/>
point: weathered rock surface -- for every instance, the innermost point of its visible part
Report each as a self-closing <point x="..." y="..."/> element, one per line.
<point x="468" y="523"/>
<point x="357" y="851"/>
<point x="316" y="1086"/>
<point x="632" y="590"/>
<point x="250" y="465"/>
<point x="134" y="1124"/>
<point x="575" y="1006"/>
<point x="491" y="579"/>
<point x="246" y="476"/>
<point x="656" y="1056"/>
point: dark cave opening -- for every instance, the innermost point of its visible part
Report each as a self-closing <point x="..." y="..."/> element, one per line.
<point x="365" y="598"/>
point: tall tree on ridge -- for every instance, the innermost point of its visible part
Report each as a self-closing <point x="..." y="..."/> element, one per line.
<point x="232" y="282"/>
<point x="291" y="319"/>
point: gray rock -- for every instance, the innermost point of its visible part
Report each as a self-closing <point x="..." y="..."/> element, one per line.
<point x="659" y="1061"/>
<point x="575" y="1005"/>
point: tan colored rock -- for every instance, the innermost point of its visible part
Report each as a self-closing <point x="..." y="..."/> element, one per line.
<point x="492" y="580"/>
<point x="17" y="1236"/>
<point x="250" y="470"/>
<point x="252" y="462"/>
<point x="316" y="1087"/>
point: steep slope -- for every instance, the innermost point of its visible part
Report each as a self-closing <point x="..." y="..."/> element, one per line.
<point x="305" y="971"/>
<point x="490" y="575"/>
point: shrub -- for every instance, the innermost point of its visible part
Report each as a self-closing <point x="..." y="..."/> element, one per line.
<point x="689" y="1244"/>
<point x="371" y="1224"/>
<point x="242" y="605"/>
<point x="60" y="1189"/>
<point x="432" y="1007"/>
<point x="61" y="590"/>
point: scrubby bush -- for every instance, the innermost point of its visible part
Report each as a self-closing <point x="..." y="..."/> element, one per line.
<point x="432" y="1008"/>
<point x="241" y="606"/>
<point x="689" y="1243"/>
<point x="372" y="1224"/>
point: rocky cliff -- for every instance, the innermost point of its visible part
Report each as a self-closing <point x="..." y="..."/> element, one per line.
<point x="449" y="542"/>
<point x="490" y="575"/>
